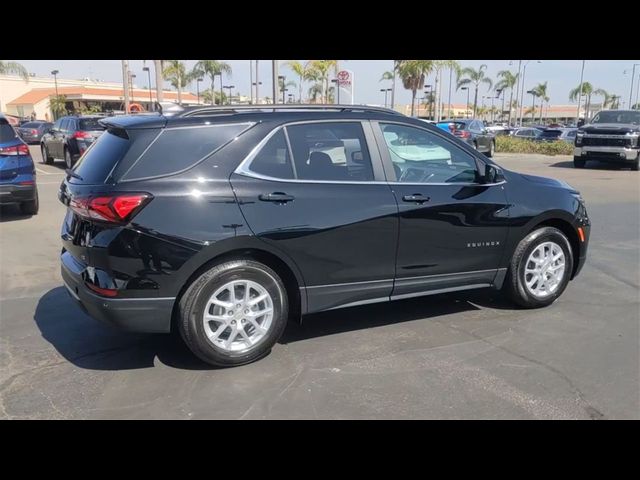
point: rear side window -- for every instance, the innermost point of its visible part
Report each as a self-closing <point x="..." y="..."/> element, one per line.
<point x="178" y="149"/>
<point x="7" y="133"/>
<point x="274" y="160"/>
<point x="90" y="124"/>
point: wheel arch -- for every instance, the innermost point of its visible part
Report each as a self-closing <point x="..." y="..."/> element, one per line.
<point x="258" y="251"/>
<point x="565" y="226"/>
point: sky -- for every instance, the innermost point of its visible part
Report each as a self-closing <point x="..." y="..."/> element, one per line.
<point x="561" y="75"/>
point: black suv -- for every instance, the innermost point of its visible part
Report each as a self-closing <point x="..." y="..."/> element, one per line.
<point x="69" y="137"/>
<point x="223" y="222"/>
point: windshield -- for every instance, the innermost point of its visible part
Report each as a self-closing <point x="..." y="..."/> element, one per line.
<point x="617" y="116"/>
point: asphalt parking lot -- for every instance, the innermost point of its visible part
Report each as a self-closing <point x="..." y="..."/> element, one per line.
<point x="465" y="355"/>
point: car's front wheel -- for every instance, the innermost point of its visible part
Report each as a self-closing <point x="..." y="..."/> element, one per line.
<point x="46" y="158"/>
<point x="67" y="158"/>
<point x="492" y="148"/>
<point x="540" y="268"/>
<point x="233" y="313"/>
<point x="579" y="162"/>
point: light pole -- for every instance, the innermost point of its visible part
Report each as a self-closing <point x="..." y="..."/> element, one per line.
<point x="335" y="80"/>
<point x="524" y="73"/>
<point x="580" y="94"/>
<point x="385" y="90"/>
<point x="638" y="93"/>
<point x="229" y="87"/>
<point x="533" y="105"/>
<point x="55" y="79"/>
<point x="430" y="99"/>
<point x="466" y="110"/>
<point x="500" y="91"/>
<point x="251" y="81"/>
<point x="146" y="69"/>
<point x="633" y="76"/>
<point x="256" y="84"/>
<point x="198" y="80"/>
<point x="281" y="79"/>
<point x="131" y="77"/>
<point x="289" y="96"/>
<point x="517" y="94"/>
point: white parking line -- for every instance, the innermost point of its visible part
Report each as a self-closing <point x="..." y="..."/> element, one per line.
<point x="49" y="173"/>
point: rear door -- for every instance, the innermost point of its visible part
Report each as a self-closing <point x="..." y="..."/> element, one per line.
<point x="452" y="228"/>
<point x="53" y="143"/>
<point x="315" y="191"/>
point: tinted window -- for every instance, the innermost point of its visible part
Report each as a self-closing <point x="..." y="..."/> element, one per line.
<point x="90" y="124"/>
<point x="32" y="124"/>
<point x="65" y="125"/>
<point x="181" y="148"/>
<point x="330" y="151"/>
<point x="7" y="133"/>
<point x="571" y="134"/>
<point x="273" y="159"/>
<point x="98" y="161"/>
<point x="58" y="124"/>
<point x="551" y="134"/>
<point x="419" y="156"/>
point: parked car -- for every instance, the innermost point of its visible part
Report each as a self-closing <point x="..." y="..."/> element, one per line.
<point x="473" y="132"/>
<point x="527" y="133"/>
<point x="32" y="132"/>
<point x="224" y="222"/>
<point x="69" y="138"/>
<point x="17" y="171"/>
<point x="612" y="136"/>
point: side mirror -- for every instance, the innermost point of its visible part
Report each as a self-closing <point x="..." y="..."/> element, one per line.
<point x="492" y="174"/>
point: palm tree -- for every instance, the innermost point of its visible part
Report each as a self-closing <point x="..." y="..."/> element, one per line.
<point x="636" y="106"/>
<point x="284" y="86"/>
<point x="13" y="68"/>
<point x="175" y="72"/>
<point x="299" y="69"/>
<point x="413" y="73"/>
<point x="58" y="106"/>
<point x="211" y="68"/>
<point x="315" y="91"/>
<point x="588" y="90"/>
<point x="319" y="71"/>
<point x="540" y="92"/>
<point x="438" y="65"/>
<point x="532" y="111"/>
<point x="507" y="80"/>
<point x="475" y="78"/>
<point x="386" y="76"/>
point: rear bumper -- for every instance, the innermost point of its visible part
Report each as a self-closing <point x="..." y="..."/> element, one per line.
<point x="612" y="154"/>
<point x="152" y="315"/>
<point x="10" y="193"/>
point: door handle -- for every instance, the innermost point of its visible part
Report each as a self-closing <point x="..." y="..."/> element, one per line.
<point x="415" y="198"/>
<point x="277" y="197"/>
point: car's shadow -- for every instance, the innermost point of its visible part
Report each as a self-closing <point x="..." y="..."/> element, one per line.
<point x="12" y="213"/>
<point x="593" y="165"/>
<point x="91" y="345"/>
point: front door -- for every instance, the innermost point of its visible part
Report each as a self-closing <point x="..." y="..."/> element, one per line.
<point x="329" y="209"/>
<point x="452" y="227"/>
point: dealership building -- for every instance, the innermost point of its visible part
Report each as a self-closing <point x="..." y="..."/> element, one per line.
<point x="22" y="97"/>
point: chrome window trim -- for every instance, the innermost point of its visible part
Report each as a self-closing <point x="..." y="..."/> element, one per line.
<point x="244" y="167"/>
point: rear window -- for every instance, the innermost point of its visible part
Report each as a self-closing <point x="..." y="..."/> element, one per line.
<point x="98" y="161"/>
<point x="178" y="149"/>
<point x="551" y="133"/>
<point x="453" y="125"/>
<point x="7" y="133"/>
<point x="32" y="125"/>
<point x="90" y="124"/>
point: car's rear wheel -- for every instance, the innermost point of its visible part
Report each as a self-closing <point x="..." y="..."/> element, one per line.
<point x="233" y="313"/>
<point x="579" y="162"/>
<point x="492" y="148"/>
<point x="636" y="165"/>
<point x="67" y="158"/>
<point x="540" y="268"/>
<point x="31" y="207"/>
<point x="46" y="158"/>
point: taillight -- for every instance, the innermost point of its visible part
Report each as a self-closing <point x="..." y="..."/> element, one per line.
<point x="462" y="133"/>
<point x="106" y="292"/>
<point x="111" y="208"/>
<point x="80" y="134"/>
<point x="34" y="131"/>
<point x="16" y="150"/>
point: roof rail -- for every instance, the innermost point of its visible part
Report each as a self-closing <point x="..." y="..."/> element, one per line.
<point x="228" y="109"/>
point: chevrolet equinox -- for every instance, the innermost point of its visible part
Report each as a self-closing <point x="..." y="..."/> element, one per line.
<point x="224" y="222"/>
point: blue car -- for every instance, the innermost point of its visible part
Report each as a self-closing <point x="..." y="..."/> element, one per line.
<point x="17" y="171"/>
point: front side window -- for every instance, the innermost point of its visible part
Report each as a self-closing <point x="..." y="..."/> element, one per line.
<point x="419" y="156"/>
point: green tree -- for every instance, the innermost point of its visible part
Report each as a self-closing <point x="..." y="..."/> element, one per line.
<point x="587" y="90"/>
<point x="213" y="97"/>
<point x="386" y="76"/>
<point x="319" y="71"/>
<point x="282" y="85"/>
<point x="507" y="80"/>
<point x="175" y="72"/>
<point x="438" y="65"/>
<point x="540" y="92"/>
<point x="314" y="92"/>
<point x="475" y="78"/>
<point x="413" y="73"/>
<point x="299" y="69"/>
<point x="58" y="106"/>
<point x="13" y="68"/>
<point x="211" y="68"/>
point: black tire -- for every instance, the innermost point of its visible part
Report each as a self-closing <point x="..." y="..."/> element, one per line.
<point x="45" y="155"/>
<point x="579" y="162"/>
<point x="635" y="166"/>
<point x="514" y="285"/>
<point x="193" y="302"/>
<point x="68" y="160"/>
<point x="492" y="147"/>
<point x="31" y="207"/>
